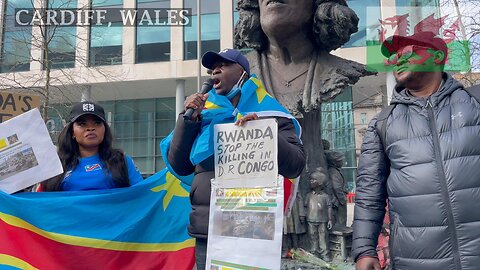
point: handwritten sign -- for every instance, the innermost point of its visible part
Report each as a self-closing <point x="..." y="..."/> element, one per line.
<point x="13" y="104"/>
<point x="246" y="156"/>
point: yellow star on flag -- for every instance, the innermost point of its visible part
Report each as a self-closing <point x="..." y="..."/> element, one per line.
<point x="239" y="115"/>
<point x="261" y="92"/>
<point x="173" y="188"/>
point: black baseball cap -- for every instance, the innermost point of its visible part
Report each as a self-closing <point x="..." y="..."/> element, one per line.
<point x="229" y="55"/>
<point x="86" y="107"/>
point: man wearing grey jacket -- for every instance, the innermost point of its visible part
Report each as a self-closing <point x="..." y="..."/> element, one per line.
<point x="424" y="157"/>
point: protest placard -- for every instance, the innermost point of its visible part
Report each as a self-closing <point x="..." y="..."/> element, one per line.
<point x="27" y="154"/>
<point x="246" y="156"/>
<point x="13" y="104"/>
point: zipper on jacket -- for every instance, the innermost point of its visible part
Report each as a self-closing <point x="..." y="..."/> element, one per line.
<point x="443" y="182"/>
<point x="429" y="104"/>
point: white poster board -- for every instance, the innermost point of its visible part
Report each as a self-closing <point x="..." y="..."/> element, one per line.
<point x="245" y="228"/>
<point x="27" y="154"/>
<point x="246" y="156"/>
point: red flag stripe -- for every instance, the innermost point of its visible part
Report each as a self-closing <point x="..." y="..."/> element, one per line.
<point x="44" y="253"/>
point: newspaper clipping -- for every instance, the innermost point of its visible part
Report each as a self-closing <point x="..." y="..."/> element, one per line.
<point x="243" y="224"/>
<point x="246" y="209"/>
<point x="27" y="154"/>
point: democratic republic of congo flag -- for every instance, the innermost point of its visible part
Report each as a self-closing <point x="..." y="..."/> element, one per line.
<point x="139" y="227"/>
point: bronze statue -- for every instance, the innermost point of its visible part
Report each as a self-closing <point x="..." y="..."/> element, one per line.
<point x="339" y="192"/>
<point x="319" y="214"/>
<point x="294" y="224"/>
<point x="291" y="41"/>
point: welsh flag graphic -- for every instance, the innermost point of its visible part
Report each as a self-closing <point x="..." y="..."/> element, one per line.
<point x="415" y="22"/>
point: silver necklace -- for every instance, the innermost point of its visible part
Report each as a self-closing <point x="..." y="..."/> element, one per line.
<point x="264" y="69"/>
<point x="289" y="83"/>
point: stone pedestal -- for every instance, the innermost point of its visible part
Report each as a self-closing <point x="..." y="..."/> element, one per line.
<point x="289" y="264"/>
<point x="341" y="241"/>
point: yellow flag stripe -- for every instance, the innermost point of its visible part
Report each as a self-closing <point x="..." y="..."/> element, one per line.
<point x="210" y="105"/>
<point x="96" y="243"/>
<point x="15" y="262"/>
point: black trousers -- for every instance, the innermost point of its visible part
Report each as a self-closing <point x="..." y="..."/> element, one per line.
<point x="201" y="253"/>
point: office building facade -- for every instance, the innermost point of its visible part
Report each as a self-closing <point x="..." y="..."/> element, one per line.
<point x="141" y="74"/>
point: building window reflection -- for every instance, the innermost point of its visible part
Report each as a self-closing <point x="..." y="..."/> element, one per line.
<point x="60" y="41"/>
<point x="153" y="42"/>
<point x="106" y="40"/>
<point x="210" y="20"/>
<point x="338" y="128"/>
<point x="368" y="12"/>
<point x="417" y="3"/>
<point x="236" y="13"/>
<point x="17" y="40"/>
<point x="417" y="10"/>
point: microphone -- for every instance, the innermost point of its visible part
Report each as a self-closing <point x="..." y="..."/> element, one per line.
<point x="206" y="86"/>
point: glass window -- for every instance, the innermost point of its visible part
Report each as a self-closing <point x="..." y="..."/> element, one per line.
<point x="368" y="12"/>
<point x="57" y="118"/>
<point x="416" y="3"/>
<point x="210" y="21"/>
<point x="62" y="4"/>
<point x="139" y="126"/>
<point x="106" y="45"/>
<point x="153" y="42"/>
<point x="417" y="10"/>
<point x="105" y="40"/>
<point x="236" y="13"/>
<point x="107" y="3"/>
<point x="363" y="118"/>
<point x="61" y="44"/>
<point x="60" y="41"/>
<point x="16" y="50"/>
<point x="338" y="128"/>
<point x="15" y="55"/>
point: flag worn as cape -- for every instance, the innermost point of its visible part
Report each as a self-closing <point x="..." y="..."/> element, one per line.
<point x="218" y="110"/>
<point x="139" y="227"/>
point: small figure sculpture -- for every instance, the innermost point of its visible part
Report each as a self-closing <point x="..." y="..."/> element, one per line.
<point x="319" y="214"/>
<point x="339" y="200"/>
<point x="294" y="224"/>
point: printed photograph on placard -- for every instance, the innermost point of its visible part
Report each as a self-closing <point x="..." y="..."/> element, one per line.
<point x="17" y="159"/>
<point x="254" y="225"/>
<point x="12" y="139"/>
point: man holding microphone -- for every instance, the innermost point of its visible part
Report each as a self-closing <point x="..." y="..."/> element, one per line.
<point x="233" y="99"/>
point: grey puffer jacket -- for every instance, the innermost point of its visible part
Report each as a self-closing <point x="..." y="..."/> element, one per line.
<point x="430" y="173"/>
<point x="291" y="161"/>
